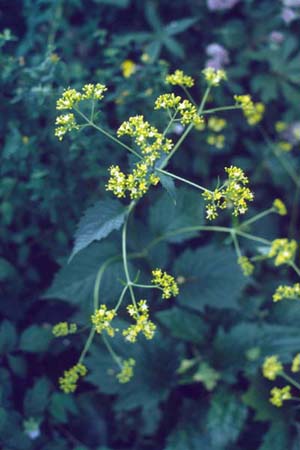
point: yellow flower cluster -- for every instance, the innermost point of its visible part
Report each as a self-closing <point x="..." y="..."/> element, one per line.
<point x="234" y="194"/>
<point x="216" y="124"/>
<point x="65" y="123"/>
<point x="280" y="207"/>
<point x="140" y="313"/>
<point x="102" y="318"/>
<point x="278" y="396"/>
<point x="152" y="144"/>
<point x="280" y="126"/>
<point x="296" y="364"/>
<point x="179" y="78"/>
<point x="166" y="282"/>
<point x="70" y="99"/>
<point x="285" y="146"/>
<point x="185" y="108"/>
<point x="126" y="373"/>
<point x="246" y="266"/>
<point x="283" y="251"/>
<point x="216" y="140"/>
<point x="287" y="292"/>
<point x="128" y="68"/>
<point x="272" y="367"/>
<point x="68" y="383"/>
<point x="64" y="328"/>
<point x="213" y="76"/>
<point x="252" y="111"/>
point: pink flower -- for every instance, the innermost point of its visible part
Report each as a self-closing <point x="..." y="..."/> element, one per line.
<point x="218" y="56"/>
<point x="288" y="15"/>
<point x="215" y="5"/>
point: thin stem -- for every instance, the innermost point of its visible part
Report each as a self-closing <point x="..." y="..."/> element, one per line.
<point x="124" y="253"/>
<point x="290" y="380"/>
<point x="92" y="110"/>
<point x="295" y="267"/>
<point x="107" y="134"/>
<point x="258" y="216"/>
<point x="176" y="177"/>
<point x="114" y="356"/>
<point x="251" y="237"/>
<point x="187" y="130"/>
<point x="222" y="108"/>
<point x="188" y="95"/>
<point x="236" y="244"/>
<point x="146" y="286"/>
<point x="172" y="120"/>
<point x="87" y="345"/>
<point x="100" y="274"/>
<point x="121" y="298"/>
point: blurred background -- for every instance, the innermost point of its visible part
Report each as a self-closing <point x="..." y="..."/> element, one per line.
<point x="220" y="401"/>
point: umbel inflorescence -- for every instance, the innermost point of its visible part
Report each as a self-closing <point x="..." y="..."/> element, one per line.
<point x="152" y="149"/>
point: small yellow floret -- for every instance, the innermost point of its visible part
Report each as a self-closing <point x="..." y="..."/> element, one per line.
<point x="283" y="251"/>
<point x="213" y="76"/>
<point x="166" y="282"/>
<point x="280" y="207"/>
<point x="246" y="266"/>
<point x="102" y="318"/>
<point x="179" y="78"/>
<point x="285" y="146"/>
<point x="128" y="68"/>
<point x="287" y="292"/>
<point x="68" y="383"/>
<point x="278" y="396"/>
<point x="296" y="363"/>
<point x="126" y="373"/>
<point x="64" y="328"/>
<point x="140" y="313"/>
<point x="272" y="367"/>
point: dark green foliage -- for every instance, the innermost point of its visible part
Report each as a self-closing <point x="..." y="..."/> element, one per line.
<point x="223" y="324"/>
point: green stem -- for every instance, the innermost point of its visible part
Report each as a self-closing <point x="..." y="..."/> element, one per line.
<point x="236" y="244"/>
<point x="114" y="356"/>
<point x="87" y="345"/>
<point x="110" y="136"/>
<point x="187" y="130"/>
<point x="146" y="286"/>
<point x="290" y="380"/>
<point x="188" y="95"/>
<point x="257" y="217"/>
<point x="121" y="298"/>
<point x="176" y="177"/>
<point x="222" y="108"/>
<point x="295" y="267"/>
<point x="124" y="253"/>
<point x="100" y="274"/>
<point x="251" y="237"/>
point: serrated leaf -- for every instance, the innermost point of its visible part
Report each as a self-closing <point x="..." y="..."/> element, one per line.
<point x="167" y="220"/>
<point x="212" y="278"/>
<point x="35" y="339"/>
<point x="8" y="337"/>
<point x="98" y="222"/>
<point x="257" y="397"/>
<point x="36" y="398"/>
<point x="60" y="405"/>
<point x="183" y="324"/>
<point x="178" y="26"/>
<point x="169" y="185"/>
<point x="75" y="281"/>
<point x="225" y="420"/>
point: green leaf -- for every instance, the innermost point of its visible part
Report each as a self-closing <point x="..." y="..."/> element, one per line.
<point x="35" y="339"/>
<point x="75" y="281"/>
<point x="117" y="3"/>
<point x="178" y="26"/>
<point x="18" y="365"/>
<point x="257" y="397"/>
<point x="8" y="337"/>
<point x="36" y="398"/>
<point x="183" y="324"/>
<point x="97" y="223"/>
<point x="226" y="418"/>
<point x="212" y="278"/>
<point x="3" y="416"/>
<point x="167" y="220"/>
<point x="169" y="185"/>
<point x="277" y="437"/>
<point x="7" y="271"/>
<point x="60" y="405"/>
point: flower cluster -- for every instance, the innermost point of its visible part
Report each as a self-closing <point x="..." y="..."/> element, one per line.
<point x="234" y="194"/>
<point x="287" y="292"/>
<point x="216" y="124"/>
<point x="65" y="123"/>
<point x="140" y="313"/>
<point x="185" y="108"/>
<point x="102" y="318"/>
<point x="126" y="373"/>
<point x="283" y="251"/>
<point x="252" y="111"/>
<point x="152" y="144"/>
<point x="128" y="68"/>
<point x="166" y="282"/>
<point x="272" y="367"/>
<point x="69" y="100"/>
<point x="179" y="78"/>
<point x="279" y="207"/>
<point x="68" y="383"/>
<point x="64" y="328"/>
<point x="216" y="140"/>
<point x="246" y="266"/>
<point x="279" y="395"/>
<point x="296" y="364"/>
<point x="213" y="76"/>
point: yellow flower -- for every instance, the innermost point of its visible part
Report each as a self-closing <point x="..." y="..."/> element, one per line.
<point x="102" y="318"/>
<point x="278" y="396"/>
<point x="65" y="122"/>
<point x="126" y="372"/>
<point x="128" y="68"/>
<point x="246" y="266"/>
<point x="216" y="140"/>
<point x="287" y="292"/>
<point x="216" y="124"/>
<point x="180" y="78"/>
<point x="296" y="363"/>
<point x="64" y="328"/>
<point x="140" y="313"/>
<point x="166" y="282"/>
<point x="272" y="367"/>
<point x="252" y="111"/>
<point x="280" y="207"/>
<point x="68" y="383"/>
<point x="283" y="251"/>
<point x="280" y="126"/>
<point x="213" y="76"/>
<point x="285" y="146"/>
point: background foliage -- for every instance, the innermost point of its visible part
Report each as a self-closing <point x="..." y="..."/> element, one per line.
<point x="222" y="321"/>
